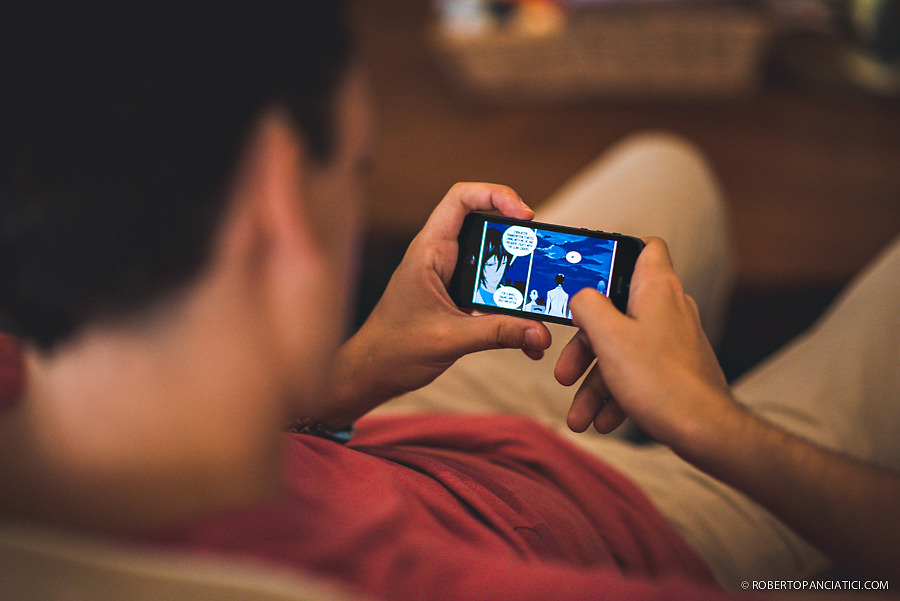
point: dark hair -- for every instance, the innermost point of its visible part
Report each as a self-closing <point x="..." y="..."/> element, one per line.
<point x="559" y="279"/>
<point x="493" y="247"/>
<point x="120" y="123"/>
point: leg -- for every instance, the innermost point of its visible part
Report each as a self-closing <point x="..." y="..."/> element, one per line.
<point x="658" y="185"/>
<point x="839" y="383"/>
<point x="649" y="184"/>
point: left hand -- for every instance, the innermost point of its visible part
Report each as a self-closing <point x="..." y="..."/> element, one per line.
<point x="416" y="331"/>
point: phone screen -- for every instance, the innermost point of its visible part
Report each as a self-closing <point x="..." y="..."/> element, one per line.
<point x="536" y="271"/>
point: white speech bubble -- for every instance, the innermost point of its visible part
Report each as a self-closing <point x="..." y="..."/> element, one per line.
<point x="507" y="297"/>
<point x="519" y="241"/>
<point x="573" y="256"/>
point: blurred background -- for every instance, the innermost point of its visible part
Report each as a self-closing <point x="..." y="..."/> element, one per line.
<point x="796" y="103"/>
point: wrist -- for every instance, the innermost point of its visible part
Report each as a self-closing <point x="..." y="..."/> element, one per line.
<point x="714" y="431"/>
<point x="353" y="382"/>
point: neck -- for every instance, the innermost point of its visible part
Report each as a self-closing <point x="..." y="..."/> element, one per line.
<point x="122" y="431"/>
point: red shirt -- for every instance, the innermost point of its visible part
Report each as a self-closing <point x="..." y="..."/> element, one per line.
<point x="461" y="508"/>
<point x="11" y="371"/>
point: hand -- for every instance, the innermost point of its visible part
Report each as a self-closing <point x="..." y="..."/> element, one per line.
<point x="416" y="331"/>
<point x="654" y="364"/>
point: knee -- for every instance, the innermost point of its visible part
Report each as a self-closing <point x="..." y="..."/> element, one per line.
<point x="665" y="148"/>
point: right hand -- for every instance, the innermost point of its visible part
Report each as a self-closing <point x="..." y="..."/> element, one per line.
<point x="654" y="364"/>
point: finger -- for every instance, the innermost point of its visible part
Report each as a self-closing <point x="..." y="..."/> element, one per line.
<point x="653" y="271"/>
<point x="463" y="198"/>
<point x="534" y="354"/>
<point x="610" y="417"/>
<point x="655" y="255"/>
<point x="692" y="304"/>
<point x="484" y="332"/>
<point x="588" y="401"/>
<point x="574" y="359"/>
<point x="598" y="317"/>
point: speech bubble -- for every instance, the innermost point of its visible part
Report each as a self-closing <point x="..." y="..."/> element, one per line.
<point x="507" y="297"/>
<point x="573" y="256"/>
<point x="519" y="241"/>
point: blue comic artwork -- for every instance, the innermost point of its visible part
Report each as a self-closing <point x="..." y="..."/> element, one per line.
<point x="503" y="269"/>
<point x="565" y="264"/>
<point x="538" y="271"/>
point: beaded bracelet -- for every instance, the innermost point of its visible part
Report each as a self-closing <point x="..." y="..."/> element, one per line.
<point x="308" y="425"/>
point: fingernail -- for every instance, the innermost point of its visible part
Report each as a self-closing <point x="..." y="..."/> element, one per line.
<point x="532" y="339"/>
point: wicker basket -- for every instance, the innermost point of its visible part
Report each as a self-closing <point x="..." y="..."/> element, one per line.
<point x="661" y="49"/>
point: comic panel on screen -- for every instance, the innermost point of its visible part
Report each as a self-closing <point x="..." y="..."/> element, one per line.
<point x="536" y="270"/>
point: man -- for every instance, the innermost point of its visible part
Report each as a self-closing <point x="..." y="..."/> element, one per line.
<point x="177" y="184"/>
<point x="532" y="304"/>
<point x="495" y="261"/>
<point x="558" y="298"/>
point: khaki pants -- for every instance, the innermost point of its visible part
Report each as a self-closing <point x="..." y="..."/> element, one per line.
<point x="838" y="384"/>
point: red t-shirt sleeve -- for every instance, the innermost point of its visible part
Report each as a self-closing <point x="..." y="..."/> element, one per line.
<point x="11" y="371"/>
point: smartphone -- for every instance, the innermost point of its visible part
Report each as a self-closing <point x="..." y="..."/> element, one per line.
<point x="530" y="269"/>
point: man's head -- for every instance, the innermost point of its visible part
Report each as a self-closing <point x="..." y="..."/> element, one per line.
<point x="122" y="129"/>
<point x="179" y="191"/>
<point x="559" y="279"/>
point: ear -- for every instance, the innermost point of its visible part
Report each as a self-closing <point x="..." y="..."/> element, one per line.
<point x="267" y="240"/>
<point x="269" y="192"/>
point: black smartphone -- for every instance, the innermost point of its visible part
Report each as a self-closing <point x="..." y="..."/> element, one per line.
<point x="531" y="269"/>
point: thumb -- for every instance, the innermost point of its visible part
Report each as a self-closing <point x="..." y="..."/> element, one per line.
<point x="484" y="332"/>
<point x="597" y="316"/>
